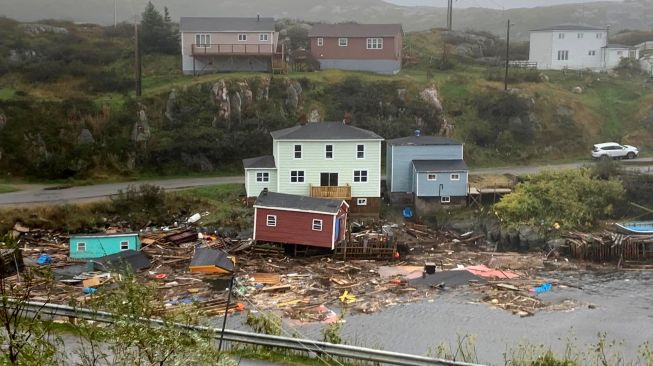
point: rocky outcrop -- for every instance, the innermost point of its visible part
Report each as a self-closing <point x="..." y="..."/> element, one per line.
<point x="220" y="97"/>
<point x="3" y="120"/>
<point x="141" y="130"/>
<point x="36" y="28"/>
<point x="85" y="137"/>
<point x="172" y="106"/>
<point x="469" y="44"/>
<point x="37" y="150"/>
<point x="197" y="162"/>
<point x="577" y="90"/>
<point x="293" y="95"/>
<point x="431" y="96"/>
<point x="314" y="116"/>
<point x="263" y="91"/>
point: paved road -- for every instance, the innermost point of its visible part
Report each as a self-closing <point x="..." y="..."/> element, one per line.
<point x="44" y="194"/>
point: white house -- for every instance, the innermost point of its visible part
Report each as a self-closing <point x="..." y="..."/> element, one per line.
<point x="576" y="47"/>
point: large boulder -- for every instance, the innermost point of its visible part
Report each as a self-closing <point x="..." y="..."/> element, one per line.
<point x="236" y="105"/>
<point x="220" y="97"/>
<point x="172" y="106"/>
<point x="530" y="238"/>
<point x="314" y="116"/>
<point x="293" y="95"/>
<point x="197" y="162"/>
<point x="431" y="96"/>
<point x="85" y="137"/>
<point x="141" y="130"/>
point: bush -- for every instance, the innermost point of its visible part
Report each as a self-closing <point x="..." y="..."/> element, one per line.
<point x="109" y="81"/>
<point x="572" y="199"/>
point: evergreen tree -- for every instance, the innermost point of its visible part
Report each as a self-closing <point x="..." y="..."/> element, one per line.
<point x="157" y="34"/>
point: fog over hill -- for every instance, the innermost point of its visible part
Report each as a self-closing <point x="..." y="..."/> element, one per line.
<point x="633" y="14"/>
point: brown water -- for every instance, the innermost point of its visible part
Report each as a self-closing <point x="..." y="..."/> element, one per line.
<point x="624" y="310"/>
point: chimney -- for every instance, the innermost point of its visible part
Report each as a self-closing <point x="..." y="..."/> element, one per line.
<point x="418" y="133"/>
<point x="258" y="17"/>
<point x="265" y="191"/>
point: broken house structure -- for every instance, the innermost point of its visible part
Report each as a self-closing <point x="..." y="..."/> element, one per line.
<point x="295" y="219"/>
<point x="100" y="245"/>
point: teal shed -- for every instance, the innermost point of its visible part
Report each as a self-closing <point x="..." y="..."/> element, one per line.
<point x="99" y="245"/>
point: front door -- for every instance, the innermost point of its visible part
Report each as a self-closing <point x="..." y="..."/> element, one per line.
<point x="328" y="179"/>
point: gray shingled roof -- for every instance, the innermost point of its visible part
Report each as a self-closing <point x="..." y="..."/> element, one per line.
<point x="212" y="257"/>
<point x="617" y="45"/>
<point x="569" y="27"/>
<point x="264" y="162"/>
<point x="423" y="140"/>
<point x="324" y="131"/>
<point x="291" y="201"/>
<point x="225" y="24"/>
<point x="355" y="30"/>
<point x="439" y="165"/>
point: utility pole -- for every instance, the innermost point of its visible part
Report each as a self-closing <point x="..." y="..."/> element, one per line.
<point x="137" y="56"/>
<point x="115" y="14"/>
<point x="505" y="79"/>
<point x="450" y="15"/>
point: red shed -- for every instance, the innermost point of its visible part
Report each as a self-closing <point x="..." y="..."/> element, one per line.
<point x="292" y="219"/>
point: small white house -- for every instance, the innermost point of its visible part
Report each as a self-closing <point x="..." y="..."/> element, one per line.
<point x="576" y="47"/>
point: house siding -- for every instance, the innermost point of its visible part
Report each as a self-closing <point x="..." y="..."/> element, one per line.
<point x="544" y="47"/>
<point x="97" y="247"/>
<point x="355" y="49"/>
<point x="443" y="186"/>
<point x="253" y="188"/>
<point x="294" y="228"/>
<point x="344" y="163"/>
<point x="209" y="64"/>
<point x="388" y="167"/>
<point x="231" y="38"/>
<point x="378" y="66"/>
<point x="401" y="171"/>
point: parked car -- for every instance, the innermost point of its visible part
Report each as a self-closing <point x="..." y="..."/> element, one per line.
<point x="614" y="150"/>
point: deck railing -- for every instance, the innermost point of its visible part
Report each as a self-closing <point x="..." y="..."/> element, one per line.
<point x="340" y="192"/>
<point x="232" y="49"/>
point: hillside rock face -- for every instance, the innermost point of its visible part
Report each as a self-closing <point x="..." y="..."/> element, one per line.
<point x="430" y="96"/>
<point x="294" y="92"/>
<point x="141" y="130"/>
<point x="35" y="28"/>
<point x="220" y="97"/>
<point x="172" y="106"/>
<point x="85" y="137"/>
<point x="3" y="120"/>
<point x="197" y="162"/>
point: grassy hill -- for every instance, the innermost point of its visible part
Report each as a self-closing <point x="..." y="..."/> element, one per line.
<point x="536" y="121"/>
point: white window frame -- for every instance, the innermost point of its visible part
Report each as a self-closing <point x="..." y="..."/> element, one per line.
<point x="320" y="41"/>
<point x="563" y="55"/>
<point x="317" y="225"/>
<point x="374" y="43"/>
<point x="271" y="220"/>
<point x="360" y="151"/>
<point x="124" y="245"/>
<point x="81" y="246"/>
<point x="457" y="176"/>
<point x="360" y="176"/>
<point x="599" y="35"/>
<point x="434" y="175"/>
<point x="445" y="199"/>
<point x="242" y="37"/>
<point x="295" y="151"/>
<point x="361" y="201"/>
<point x="580" y="35"/>
<point x="262" y="177"/>
<point x="343" y="42"/>
<point x="591" y="53"/>
<point x="619" y="53"/>
<point x="263" y="37"/>
<point x="326" y="152"/>
<point x="206" y="43"/>
<point x="298" y="176"/>
<point x="561" y="36"/>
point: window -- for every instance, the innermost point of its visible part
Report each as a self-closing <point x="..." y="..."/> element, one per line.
<point x="81" y="247"/>
<point x="455" y="176"/>
<point x="242" y="37"/>
<point x="298" y="152"/>
<point x="124" y="245"/>
<point x="320" y="42"/>
<point x="445" y="199"/>
<point x="599" y="35"/>
<point x="360" y="151"/>
<point x="360" y="176"/>
<point x="561" y="36"/>
<point x="343" y="42"/>
<point x="263" y="177"/>
<point x="271" y="220"/>
<point x="296" y="176"/>
<point x="328" y="151"/>
<point x="374" y="43"/>
<point x="580" y="35"/>
<point x="619" y="53"/>
<point x="203" y="40"/>
<point x="563" y="55"/>
<point x="361" y="201"/>
<point x="263" y="37"/>
<point x="317" y="225"/>
<point x="431" y="176"/>
<point x="592" y="53"/>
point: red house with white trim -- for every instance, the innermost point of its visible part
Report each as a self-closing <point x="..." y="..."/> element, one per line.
<point x="292" y="219"/>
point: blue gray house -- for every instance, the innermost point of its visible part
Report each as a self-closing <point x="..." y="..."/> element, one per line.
<point x="429" y="168"/>
<point x="100" y="245"/>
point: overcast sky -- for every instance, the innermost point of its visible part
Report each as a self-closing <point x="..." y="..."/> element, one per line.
<point x="496" y="4"/>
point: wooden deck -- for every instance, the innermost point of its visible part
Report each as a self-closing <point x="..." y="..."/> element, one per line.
<point x="336" y="192"/>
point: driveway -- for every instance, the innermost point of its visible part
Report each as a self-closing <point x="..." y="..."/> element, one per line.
<point x="45" y="194"/>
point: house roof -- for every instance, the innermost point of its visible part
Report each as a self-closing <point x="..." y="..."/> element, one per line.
<point x="423" y="140"/>
<point x="296" y="202"/>
<point x="324" y="131"/>
<point x="266" y="161"/>
<point x="439" y="165"/>
<point x="355" y="30"/>
<point x="617" y="45"/>
<point x="103" y="235"/>
<point x="569" y="27"/>
<point x="212" y="257"/>
<point x="225" y="24"/>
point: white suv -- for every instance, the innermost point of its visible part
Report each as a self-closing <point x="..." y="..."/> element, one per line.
<point x="614" y="150"/>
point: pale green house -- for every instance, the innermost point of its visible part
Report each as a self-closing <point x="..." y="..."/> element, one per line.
<point x="328" y="160"/>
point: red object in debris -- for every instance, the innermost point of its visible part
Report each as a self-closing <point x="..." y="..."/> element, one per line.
<point x="483" y="271"/>
<point x="240" y="306"/>
<point x="161" y="276"/>
<point x="396" y="255"/>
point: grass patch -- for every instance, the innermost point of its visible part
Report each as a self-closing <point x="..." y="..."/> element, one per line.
<point x="5" y="188"/>
<point x="220" y="205"/>
<point x="7" y="93"/>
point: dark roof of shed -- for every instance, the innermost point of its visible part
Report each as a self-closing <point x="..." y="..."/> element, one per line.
<point x="355" y="30"/>
<point x="225" y="24"/>
<point x="324" y="131"/>
<point x="570" y="27"/>
<point x="423" y="140"/>
<point x="439" y="165"/>
<point x="136" y="260"/>
<point x="212" y="257"/>
<point x="296" y="202"/>
<point x="265" y="161"/>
